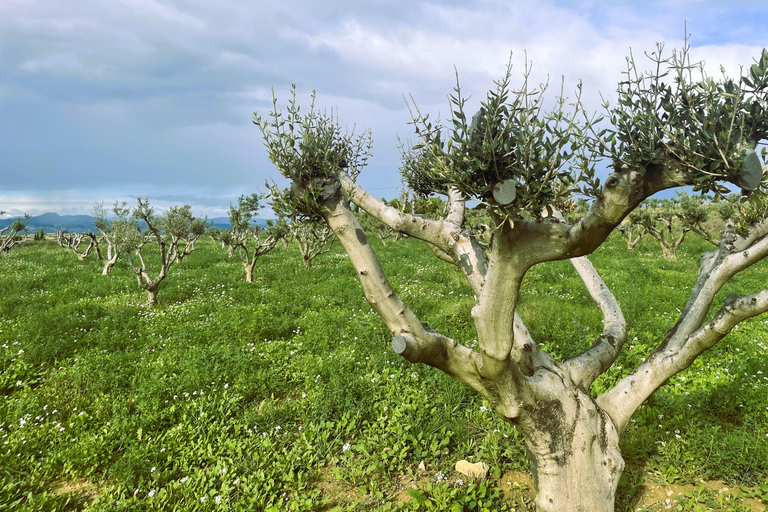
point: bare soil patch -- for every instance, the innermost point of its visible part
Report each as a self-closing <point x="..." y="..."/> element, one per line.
<point x="79" y="488"/>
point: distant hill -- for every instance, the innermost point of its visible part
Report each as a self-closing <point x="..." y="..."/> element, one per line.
<point x="52" y="222"/>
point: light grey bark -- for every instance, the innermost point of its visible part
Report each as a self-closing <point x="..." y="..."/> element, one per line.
<point x="168" y="253"/>
<point x="144" y="280"/>
<point x="111" y="259"/>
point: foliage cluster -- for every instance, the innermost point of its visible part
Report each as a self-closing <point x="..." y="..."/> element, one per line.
<point x="310" y="149"/>
<point x="512" y="139"/>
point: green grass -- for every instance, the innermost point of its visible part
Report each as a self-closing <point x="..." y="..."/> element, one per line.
<point x="284" y="392"/>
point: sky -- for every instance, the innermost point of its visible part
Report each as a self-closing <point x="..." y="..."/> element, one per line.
<point x="104" y="101"/>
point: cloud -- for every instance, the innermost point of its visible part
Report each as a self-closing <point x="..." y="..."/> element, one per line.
<point x="98" y="97"/>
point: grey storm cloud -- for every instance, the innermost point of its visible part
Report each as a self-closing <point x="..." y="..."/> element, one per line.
<point x="102" y="101"/>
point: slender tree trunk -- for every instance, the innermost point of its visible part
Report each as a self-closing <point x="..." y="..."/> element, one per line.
<point x="152" y="296"/>
<point x="249" y="273"/>
<point x="669" y="252"/>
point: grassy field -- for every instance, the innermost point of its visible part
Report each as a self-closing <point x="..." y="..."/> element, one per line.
<point x="283" y="394"/>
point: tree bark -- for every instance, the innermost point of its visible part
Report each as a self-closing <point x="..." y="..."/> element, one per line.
<point x="108" y="264"/>
<point x="573" y="446"/>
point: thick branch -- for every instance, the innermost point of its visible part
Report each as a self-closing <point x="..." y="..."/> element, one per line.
<point x="715" y="270"/>
<point x="623" y="399"/>
<point x="586" y="367"/>
<point x="456" y="213"/>
<point x="411" y="339"/>
<point x="413" y="225"/>
<point x="494" y="314"/>
<point x="446" y="235"/>
<point x="546" y="240"/>
<point x="689" y="337"/>
<point x="440" y="254"/>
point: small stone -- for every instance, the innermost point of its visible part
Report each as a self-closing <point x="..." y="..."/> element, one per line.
<point x="422" y="466"/>
<point x="670" y="493"/>
<point x="477" y="470"/>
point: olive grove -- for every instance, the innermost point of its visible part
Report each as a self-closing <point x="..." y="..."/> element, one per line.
<point x="523" y="158"/>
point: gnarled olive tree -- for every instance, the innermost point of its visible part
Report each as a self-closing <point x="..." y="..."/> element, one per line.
<point x="175" y="233"/>
<point x="116" y="231"/>
<point x="242" y="219"/>
<point x="10" y="239"/>
<point x="73" y="241"/>
<point x="521" y="160"/>
<point x="695" y="213"/>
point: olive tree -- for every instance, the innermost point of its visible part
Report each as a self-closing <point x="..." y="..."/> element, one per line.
<point x="175" y="232"/>
<point x="116" y="232"/>
<point x="659" y="218"/>
<point x="633" y="228"/>
<point x="9" y="235"/>
<point x="312" y="238"/>
<point x="673" y="126"/>
<point x="242" y="219"/>
<point x="223" y="236"/>
<point x="73" y="241"/>
<point x="694" y="213"/>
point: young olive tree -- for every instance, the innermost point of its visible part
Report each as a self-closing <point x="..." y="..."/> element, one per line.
<point x="224" y="237"/>
<point x="521" y="160"/>
<point x="169" y="231"/>
<point x="9" y="235"/>
<point x="117" y="231"/>
<point x="633" y="228"/>
<point x="694" y="213"/>
<point x="313" y="239"/>
<point x="242" y="219"/>
<point x="659" y="218"/>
